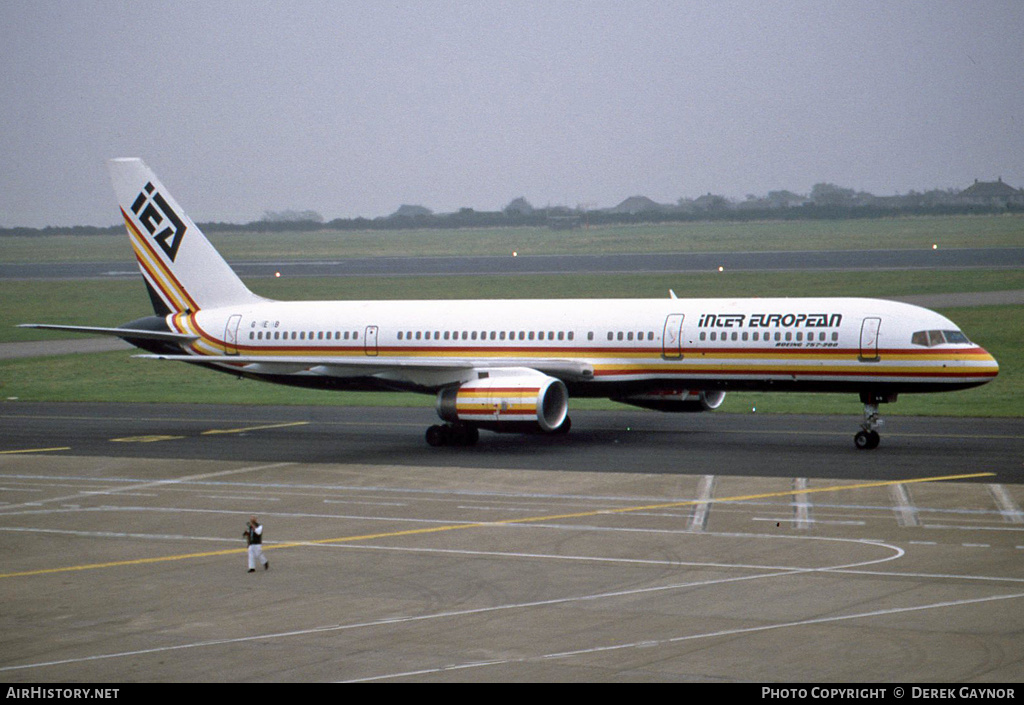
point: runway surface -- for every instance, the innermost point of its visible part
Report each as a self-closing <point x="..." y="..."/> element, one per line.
<point x="640" y="547"/>
<point x="600" y="441"/>
<point x="949" y="258"/>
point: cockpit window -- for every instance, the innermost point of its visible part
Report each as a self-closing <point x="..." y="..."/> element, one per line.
<point x="931" y="338"/>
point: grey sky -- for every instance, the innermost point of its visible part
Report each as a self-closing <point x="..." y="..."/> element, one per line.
<point x="354" y="108"/>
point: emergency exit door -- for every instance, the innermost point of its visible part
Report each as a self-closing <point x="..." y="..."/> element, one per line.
<point x="370" y="341"/>
<point x="672" y="337"/>
<point x="869" y="339"/>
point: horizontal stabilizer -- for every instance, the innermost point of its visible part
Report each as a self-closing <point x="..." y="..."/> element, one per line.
<point x="118" y="332"/>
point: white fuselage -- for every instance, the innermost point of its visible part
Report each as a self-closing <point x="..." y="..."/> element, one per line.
<point x="618" y="346"/>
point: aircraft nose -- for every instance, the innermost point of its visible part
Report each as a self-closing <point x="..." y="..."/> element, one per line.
<point x="989" y="363"/>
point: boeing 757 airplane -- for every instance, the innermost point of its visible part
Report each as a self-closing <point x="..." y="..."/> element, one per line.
<point x="512" y="365"/>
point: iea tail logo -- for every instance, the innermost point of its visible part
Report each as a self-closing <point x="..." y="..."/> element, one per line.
<point x="154" y="213"/>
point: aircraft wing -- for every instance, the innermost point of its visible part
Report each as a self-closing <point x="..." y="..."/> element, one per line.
<point x="412" y="368"/>
<point x="118" y="332"/>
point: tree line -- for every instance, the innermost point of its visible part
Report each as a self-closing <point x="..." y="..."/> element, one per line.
<point x="825" y="202"/>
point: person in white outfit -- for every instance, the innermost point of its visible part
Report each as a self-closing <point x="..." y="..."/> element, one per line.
<point x="254" y="536"/>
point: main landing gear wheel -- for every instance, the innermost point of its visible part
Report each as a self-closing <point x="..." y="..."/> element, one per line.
<point x="437" y="436"/>
<point x="866" y="440"/>
<point x="452" y="434"/>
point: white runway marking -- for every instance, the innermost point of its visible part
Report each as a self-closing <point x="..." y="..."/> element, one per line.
<point x="242" y="499"/>
<point x="366" y="502"/>
<point x="963" y="527"/>
<point x="153" y="483"/>
<point x="705" y="491"/>
<point x="806" y="523"/>
<point x="906" y="513"/>
<point x="116" y="534"/>
<point x="802" y="504"/>
<point x="1007" y="507"/>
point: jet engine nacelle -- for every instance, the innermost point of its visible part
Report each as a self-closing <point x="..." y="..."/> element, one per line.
<point x="510" y="402"/>
<point x="677" y="400"/>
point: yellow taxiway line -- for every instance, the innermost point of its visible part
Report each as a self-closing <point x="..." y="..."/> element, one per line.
<point x="254" y="428"/>
<point x="502" y="522"/>
<point x="33" y="450"/>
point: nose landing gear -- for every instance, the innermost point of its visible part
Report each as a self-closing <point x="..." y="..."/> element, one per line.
<point x="867" y="438"/>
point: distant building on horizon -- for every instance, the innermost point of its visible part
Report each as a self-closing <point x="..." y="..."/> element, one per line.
<point x="407" y="211"/>
<point x="994" y="194"/>
<point x="519" y="206"/>
<point x="639" y="204"/>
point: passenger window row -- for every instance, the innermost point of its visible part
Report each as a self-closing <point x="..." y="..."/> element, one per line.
<point x="756" y="336"/>
<point x="304" y="335"/>
<point x="485" y="335"/>
<point x="450" y="335"/>
<point x="518" y="335"/>
<point x="628" y="335"/>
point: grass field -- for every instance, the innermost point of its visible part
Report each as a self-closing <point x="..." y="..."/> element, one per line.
<point x="760" y="236"/>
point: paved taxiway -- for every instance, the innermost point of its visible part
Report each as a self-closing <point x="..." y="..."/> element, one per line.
<point x="639" y="547"/>
<point x="635" y="441"/>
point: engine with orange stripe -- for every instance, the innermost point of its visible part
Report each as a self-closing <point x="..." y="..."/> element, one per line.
<point x="507" y="403"/>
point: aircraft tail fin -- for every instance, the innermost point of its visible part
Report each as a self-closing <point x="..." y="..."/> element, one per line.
<point x="182" y="270"/>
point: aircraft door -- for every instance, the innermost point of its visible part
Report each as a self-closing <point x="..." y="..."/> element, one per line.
<point x="370" y="341"/>
<point x="231" y="335"/>
<point x="672" y="337"/>
<point x="869" y="339"/>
